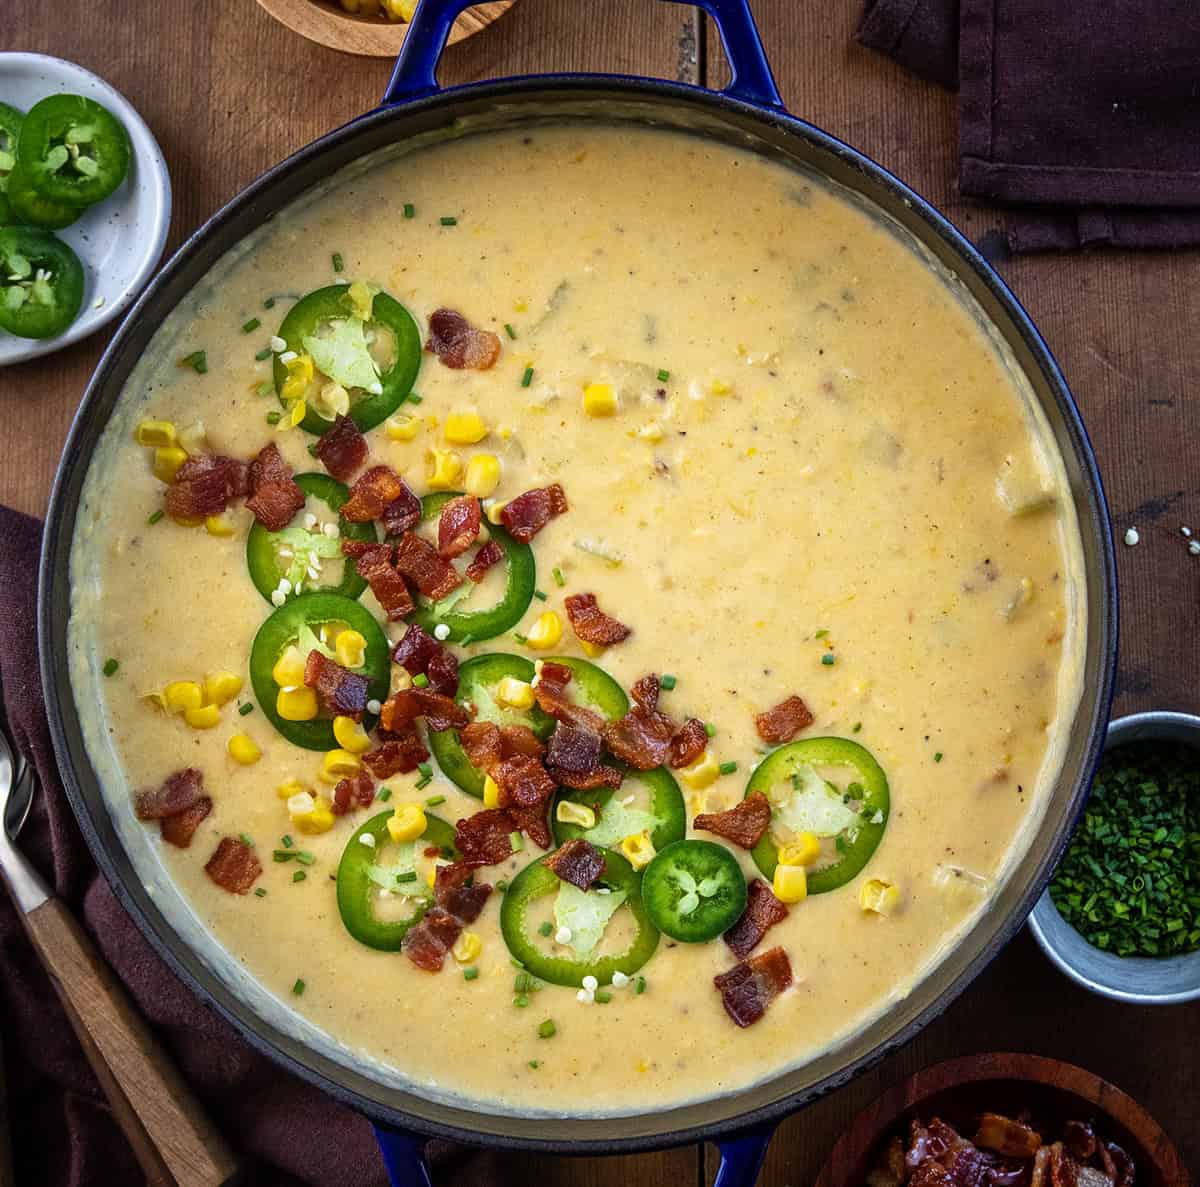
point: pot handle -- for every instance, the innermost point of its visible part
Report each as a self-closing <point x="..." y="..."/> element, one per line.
<point x="415" y="75"/>
<point x="742" y="1157"/>
<point x="404" y="1157"/>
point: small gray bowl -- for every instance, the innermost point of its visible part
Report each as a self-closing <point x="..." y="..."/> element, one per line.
<point x="1143" y="980"/>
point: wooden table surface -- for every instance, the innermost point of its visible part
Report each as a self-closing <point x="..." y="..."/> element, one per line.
<point x="228" y="93"/>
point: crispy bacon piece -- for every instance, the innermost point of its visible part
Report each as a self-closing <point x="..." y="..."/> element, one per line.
<point x="573" y="759"/>
<point x="602" y="776"/>
<point x="234" y="865"/>
<point x="452" y="894"/>
<point x="592" y="625"/>
<point x="397" y="754"/>
<point x="355" y="791"/>
<point x="1011" y="1138"/>
<point x="523" y="782"/>
<point x="743" y="824"/>
<point x="645" y="691"/>
<point x="578" y="862"/>
<point x="420" y="562"/>
<point x="1078" y="1136"/>
<point x="641" y="739"/>
<point x="178" y="830"/>
<point x="689" y="743"/>
<point x="458" y="525"/>
<point x="342" y="448"/>
<point x="373" y="563"/>
<point x="205" y="485"/>
<point x="427" y="943"/>
<point x="276" y="498"/>
<point x="527" y="514"/>
<point x="440" y="711"/>
<point x="784" y="722"/>
<point x="532" y="822"/>
<point x="268" y="466"/>
<point x="403" y="513"/>
<point x="459" y="345"/>
<point x="420" y="654"/>
<point x="443" y="672"/>
<point x="748" y="988"/>
<point x="481" y="743"/>
<point x="342" y="693"/>
<point x="520" y="739"/>
<point x="490" y="554"/>
<point x="238" y="475"/>
<point x="485" y="838"/>
<point x="372" y="492"/>
<point x="552" y="698"/>
<point x="940" y="1157"/>
<point x="179" y="791"/>
<point x="763" y="911"/>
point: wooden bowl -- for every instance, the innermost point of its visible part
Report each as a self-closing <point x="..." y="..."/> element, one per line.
<point x="1005" y="1083"/>
<point x="324" y="22"/>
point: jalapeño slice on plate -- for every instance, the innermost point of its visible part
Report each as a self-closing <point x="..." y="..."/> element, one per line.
<point x="381" y="920"/>
<point x="481" y="622"/>
<point x="657" y="809"/>
<point x="694" y="890"/>
<point x="10" y="128"/>
<point x="73" y="150"/>
<point x="369" y="350"/>
<point x="41" y="283"/>
<point x="831" y="787"/>
<point x="271" y="556"/>
<point x="34" y="208"/>
<point x="538" y="896"/>
<point x="303" y="617"/>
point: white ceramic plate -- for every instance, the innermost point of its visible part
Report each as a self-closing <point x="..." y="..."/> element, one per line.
<point x="118" y="240"/>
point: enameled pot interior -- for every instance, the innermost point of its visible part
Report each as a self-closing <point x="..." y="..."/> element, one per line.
<point x="492" y="106"/>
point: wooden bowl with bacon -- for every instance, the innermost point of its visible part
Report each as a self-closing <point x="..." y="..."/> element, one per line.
<point x="1004" y="1120"/>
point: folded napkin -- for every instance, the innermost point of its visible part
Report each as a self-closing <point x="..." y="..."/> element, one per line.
<point x="63" y="1135"/>
<point x="1087" y="115"/>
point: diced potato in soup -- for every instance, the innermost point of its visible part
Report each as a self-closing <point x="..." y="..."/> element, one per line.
<point x="767" y="436"/>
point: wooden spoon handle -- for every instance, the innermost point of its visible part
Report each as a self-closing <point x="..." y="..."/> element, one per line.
<point x="191" y="1149"/>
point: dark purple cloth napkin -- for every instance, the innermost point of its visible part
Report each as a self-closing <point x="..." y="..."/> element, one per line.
<point x="1086" y="115"/>
<point x="286" y="1132"/>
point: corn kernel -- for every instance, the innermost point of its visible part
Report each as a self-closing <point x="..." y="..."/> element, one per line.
<point x="288" y="671"/>
<point x="651" y="432"/>
<point x="569" y="812"/>
<point x="483" y="475"/>
<point x="244" y="750"/>
<point x="514" y="694"/>
<point x="221" y="687"/>
<point x="289" y="788"/>
<point x="296" y="704"/>
<point x="491" y="792"/>
<point x="350" y="735"/>
<point x="592" y="650"/>
<point x="219" y="525"/>
<point x="167" y="460"/>
<point x="639" y="849"/>
<point x="702" y="772"/>
<point x="155" y="432"/>
<point x="719" y="387"/>
<point x="402" y="428"/>
<point x="294" y="417"/>
<point x="301" y="803"/>
<point x="203" y="718"/>
<point x="299" y="376"/>
<point x="156" y="698"/>
<point x="467" y="947"/>
<point x="337" y="764"/>
<point x="879" y="897"/>
<point x="494" y="512"/>
<point x="181" y="695"/>
<point x="407" y="822"/>
<point x="546" y="632"/>
<point x="803" y="850"/>
<point x="311" y="814"/>
<point x="599" y="399"/>
<point x="443" y="468"/>
<point x="350" y="648"/>
<point x="790" y="884"/>
<point x="465" y="428"/>
<point x="330" y="401"/>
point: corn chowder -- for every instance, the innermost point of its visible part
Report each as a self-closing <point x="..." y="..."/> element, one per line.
<point x="577" y="643"/>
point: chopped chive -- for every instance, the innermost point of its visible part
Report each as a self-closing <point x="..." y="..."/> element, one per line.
<point x="298" y="988"/>
<point x="286" y="841"/>
<point x="420" y="680"/>
<point x="246" y="709"/>
<point x="155" y="516"/>
<point x="299" y="876"/>
<point x="247" y="840"/>
<point x="527" y="378"/>
<point x="516" y="841"/>
<point x="517" y="964"/>
<point x="663" y="376"/>
<point x="282" y="855"/>
<point x="520" y="1001"/>
<point x="274" y="417"/>
<point x="448" y="220"/>
<point x="828" y="659"/>
<point x="263" y="354"/>
<point x="509" y="330"/>
<point x="667" y="682"/>
<point x="727" y="768"/>
<point x="523" y="982"/>
<point x="639" y="984"/>
<point x="465" y="640"/>
<point x="407" y="876"/>
<point x="540" y="594"/>
<point x="336" y="260"/>
<point x="248" y="327"/>
<point x="260" y="892"/>
<point x="425" y="769"/>
<point x="110" y="666"/>
<point x="547" y="1029"/>
<point x="559" y="579"/>
<point x="821" y="634"/>
<point x="304" y="857"/>
<point x="710" y="729"/>
<point x="502" y="885"/>
<point x="312" y="450"/>
<point x="469" y="974"/>
<point x="269" y="303"/>
<point x="410" y="211"/>
<point x="857" y="727"/>
<point x="533" y="1063"/>
<point x="522" y="639"/>
<point x="603" y="996"/>
<point x="413" y="398"/>
<point x="423" y="782"/>
<point x="545" y="928"/>
<point x="197" y="360"/>
<point x="937" y="757"/>
<point x="385" y="794"/>
<point x="434" y="800"/>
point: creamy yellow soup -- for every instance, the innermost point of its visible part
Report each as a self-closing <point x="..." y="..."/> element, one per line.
<point x="841" y="490"/>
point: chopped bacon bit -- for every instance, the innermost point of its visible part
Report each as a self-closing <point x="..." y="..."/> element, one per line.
<point x="458" y="525"/>
<point x="1013" y="1139"/>
<point x="490" y="554"/>
<point x="427" y="943"/>
<point x="602" y="776"/>
<point x="573" y="759"/>
<point x="275" y="504"/>
<point x="179" y="791"/>
<point x="431" y="573"/>
<point x="440" y="711"/>
<point x="578" y="862"/>
<point x="178" y="829"/>
<point x="443" y="672"/>
<point x="748" y="988"/>
<point x="532" y="822"/>
<point x="451" y="892"/>
<point x="342" y="693"/>
<point x="551" y="694"/>
<point x="784" y="722"/>
<point x="520" y="739"/>
<point x="485" y="838"/>
<point x="342" y="448"/>
<point x="419" y="653"/>
<point x="527" y="514"/>
<point x="431" y="851"/>
<point x="522" y="781"/>
<point x="689" y="743"/>
<point x="233" y="866"/>
<point x="645" y="691"/>
<point x="355" y="791"/>
<point x="591" y="624"/>
<point x="238" y="475"/>
<point x="403" y="513"/>
<point x="402" y="751"/>
<point x="373" y="563"/>
<point x="481" y="743"/>
<point x="268" y="466"/>
<point x="763" y="911"/>
<point x="372" y="492"/>
<point x="459" y="345"/>
<point x="641" y="739"/>
<point x="743" y="824"/>
<point x="205" y="485"/>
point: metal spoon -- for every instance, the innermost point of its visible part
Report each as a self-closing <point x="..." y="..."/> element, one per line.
<point x="173" y="1139"/>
